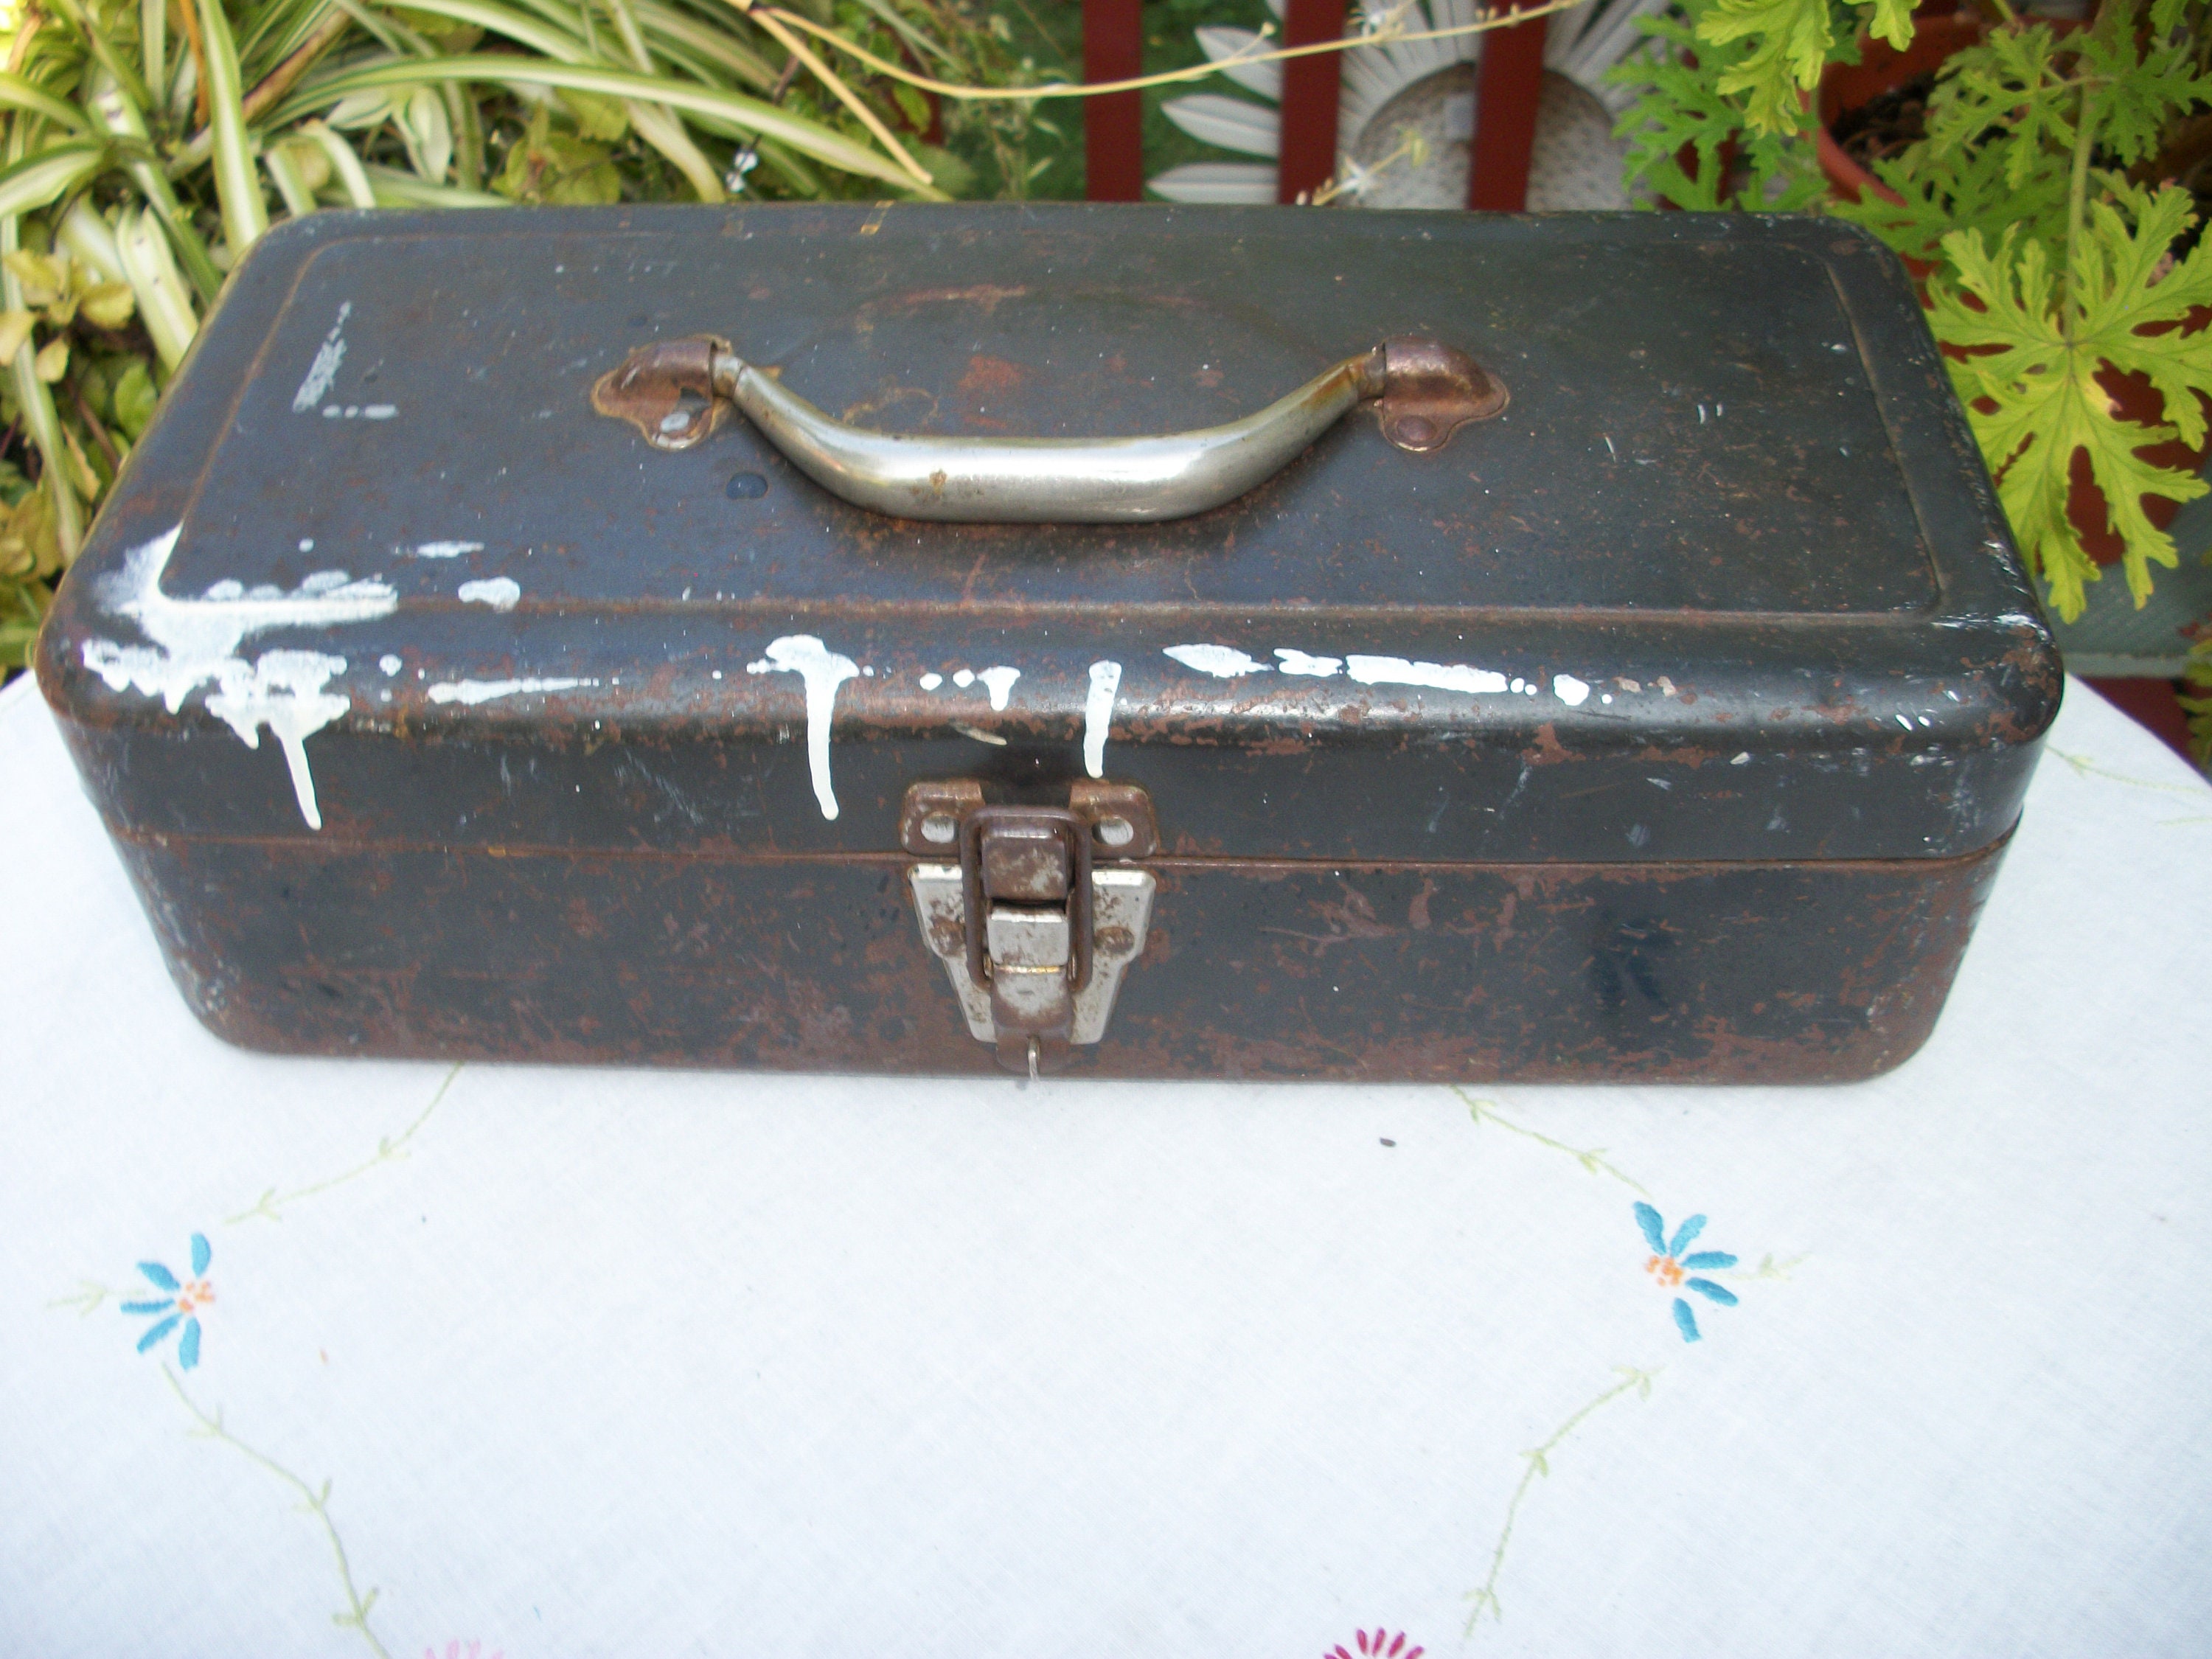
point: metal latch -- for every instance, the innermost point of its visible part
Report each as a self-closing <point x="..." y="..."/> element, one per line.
<point x="1042" y="914"/>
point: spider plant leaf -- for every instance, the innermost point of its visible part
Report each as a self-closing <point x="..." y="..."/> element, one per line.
<point x="706" y="40"/>
<point x="112" y="107"/>
<point x="153" y="46"/>
<point x="90" y="241"/>
<point x="237" y="182"/>
<point x="164" y="305"/>
<point x="397" y="189"/>
<point x="750" y="115"/>
<point x="513" y="23"/>
<point x="426" y="133"/>
<point x="346" y="164"/>
<point x="103" y="50"/>
<point x="283" y="169"/>
<point x="16" y="93"/>
<point x="37" y="180"/>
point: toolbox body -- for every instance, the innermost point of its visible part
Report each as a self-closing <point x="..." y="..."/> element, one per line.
<point x="1668" y="724"/>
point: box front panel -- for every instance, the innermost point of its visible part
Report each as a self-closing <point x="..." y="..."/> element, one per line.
<point x="1770" y="973"/>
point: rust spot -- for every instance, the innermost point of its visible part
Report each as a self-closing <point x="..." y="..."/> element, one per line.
<point x="991" y="377"/>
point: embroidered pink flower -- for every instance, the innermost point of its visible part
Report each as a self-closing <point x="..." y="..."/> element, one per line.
<point x="455" y="1651"/>
<point x="1378" y="1644"/>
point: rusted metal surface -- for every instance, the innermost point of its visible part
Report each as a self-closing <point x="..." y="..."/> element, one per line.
<point x="1667" y="732"/>
<point x="1709" y="973"/>
<point x="1431" y="390"/>
<point x="666" y="390"/>
<point x="1120" y="818"/>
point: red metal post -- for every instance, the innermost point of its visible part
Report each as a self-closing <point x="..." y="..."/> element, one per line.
<point x="1307" y="154"/>
<point x="1508" y="86"/>
<point x="1113" y="126"/>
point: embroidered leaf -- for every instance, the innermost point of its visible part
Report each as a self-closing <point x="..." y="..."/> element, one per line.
<point x="2032" y="381"/>
<point x="1655" y="1229"/>
<point x="1688" y="1231"/>
<point x="201" y="1255"/>
<point x="1708" y="1260"/>
<point x="1711" y="1292"/>
<point x="160" y="1275"/>
<point x="1536" y="1458"/>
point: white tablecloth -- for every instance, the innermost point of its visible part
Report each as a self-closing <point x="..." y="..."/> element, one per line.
<point x="550" y="1362"/>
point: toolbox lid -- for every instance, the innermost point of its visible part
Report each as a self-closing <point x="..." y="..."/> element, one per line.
<point x="1726" y="581"/>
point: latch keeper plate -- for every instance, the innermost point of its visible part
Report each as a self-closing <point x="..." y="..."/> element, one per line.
<point x="1041" y="915"/>
<point x="1120" y="908"/>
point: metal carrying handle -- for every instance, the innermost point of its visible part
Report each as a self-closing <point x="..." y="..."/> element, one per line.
<point x="677" y="391"/>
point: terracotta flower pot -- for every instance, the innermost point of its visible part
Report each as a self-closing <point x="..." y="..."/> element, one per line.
<point x="1883" y="69"/>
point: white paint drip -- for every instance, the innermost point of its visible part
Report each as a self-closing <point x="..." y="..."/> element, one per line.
<point x="468" y="693"/>
<point x="1570" y="690"/>
<point x="324" y="368"/>
<point x="1098" y="715"/>
<point x="445" y="550"/>
<point x="283" y="691"/>
<point x="197" y="640"/>
<point x="1223" y="662"/>
<point x="823" y="670"/>
<point x="979" y="734"/>
<point x="390" y="664"/>
<point x="964" y="678"/>
<point x="1435" y="676"/>
<point x="931" y="682"/>
<point x="1000" y="682"/>
<point x="500" y="593"/>
<point x="1297" y="662"/>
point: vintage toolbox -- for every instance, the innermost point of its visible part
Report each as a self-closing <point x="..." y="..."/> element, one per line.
<point x="1575" y="647"/>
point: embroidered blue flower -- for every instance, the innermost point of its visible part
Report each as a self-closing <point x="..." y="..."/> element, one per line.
<point x="179" y="1307"/>
<point x="1668" y="1262"/>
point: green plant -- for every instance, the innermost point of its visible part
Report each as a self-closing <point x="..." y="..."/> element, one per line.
<point x="2045" y="202"/>
<point x="145" y="145"/>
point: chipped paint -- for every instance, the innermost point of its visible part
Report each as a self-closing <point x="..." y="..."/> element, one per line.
<point x="324" y="368"/>
<point x="500" y="593"/>
<point x="445" y="550"/>
<point x="471" y="692"/>
<point x="999" y="682"/>
<point x="1570" y="690"/>
<point x="1223" y="662"/>
<point x="390" y="664"/>
<point x="1435" y="676"/>
<point x="823" y="670"/>
<point x="1298" y="662"/>
<point x="1098" y="715"/>
<point x="931" y="682"/>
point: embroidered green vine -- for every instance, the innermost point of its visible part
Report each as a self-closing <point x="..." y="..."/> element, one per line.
<point x="318" y="1503"/>
<point x="389" y="1149"/>
<point x="1537" y="1462"/>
